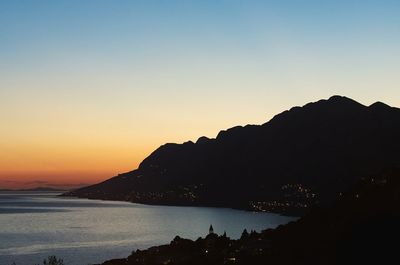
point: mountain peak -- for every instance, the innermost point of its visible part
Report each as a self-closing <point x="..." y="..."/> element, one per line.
<point x="342" y="100"/>
<point x="339" y="98"/>
<point x="203" y="140"/>
<point x="339" y="105"/>
<point x="379" y="105"/>
<point x="332" y="102"/>
<point x="336" y="103"/>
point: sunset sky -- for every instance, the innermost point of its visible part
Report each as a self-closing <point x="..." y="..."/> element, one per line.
<point x="88" y="89"/>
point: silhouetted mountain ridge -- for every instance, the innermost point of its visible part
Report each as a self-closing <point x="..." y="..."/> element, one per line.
<point x="300" y="157"/>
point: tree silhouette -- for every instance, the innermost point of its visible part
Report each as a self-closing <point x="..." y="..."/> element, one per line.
<point x="245" y="234"/>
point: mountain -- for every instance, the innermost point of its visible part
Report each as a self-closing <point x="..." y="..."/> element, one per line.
<point x="44" y="189"/>
<point x="301" y="157"/>
<point x="360" y="227"/>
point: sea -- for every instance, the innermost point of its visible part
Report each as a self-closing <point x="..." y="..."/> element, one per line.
<point x="35" y="225"/>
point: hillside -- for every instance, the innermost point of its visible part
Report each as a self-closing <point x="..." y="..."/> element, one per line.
<point x="358" y="228"/>
<point x="301" y="157"/>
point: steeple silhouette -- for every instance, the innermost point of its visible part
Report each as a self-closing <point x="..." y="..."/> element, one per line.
<point x="211" y="230"/>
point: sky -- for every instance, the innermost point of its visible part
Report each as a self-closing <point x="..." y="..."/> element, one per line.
<point x="88" y="89"/>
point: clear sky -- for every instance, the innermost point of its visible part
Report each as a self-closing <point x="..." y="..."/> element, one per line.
<point x="89" y="88"/>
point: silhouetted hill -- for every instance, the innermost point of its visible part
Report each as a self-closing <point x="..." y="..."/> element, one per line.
<point x="300" y="157"/>
<point x="44" y="189"/>
<point x="360" y="227"/>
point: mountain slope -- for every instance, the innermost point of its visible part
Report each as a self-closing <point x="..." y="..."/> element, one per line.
<point x="300" y="157"/>
<point x="357" y="228"/>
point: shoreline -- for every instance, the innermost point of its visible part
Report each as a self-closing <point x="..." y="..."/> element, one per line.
<point x="296" y="214"/>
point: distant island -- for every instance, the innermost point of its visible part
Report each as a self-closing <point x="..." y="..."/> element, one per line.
<point x="302" y="157"/>
<point x="44" y="189"/>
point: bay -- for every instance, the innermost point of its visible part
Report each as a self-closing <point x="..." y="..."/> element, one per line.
<point x="34" y="225"/>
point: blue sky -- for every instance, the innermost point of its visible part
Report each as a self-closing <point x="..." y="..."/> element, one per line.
<point x="82" y="79"/>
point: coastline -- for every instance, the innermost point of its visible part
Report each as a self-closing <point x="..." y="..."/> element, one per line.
<point x="358" y="228"/>
<point x="290" y="213"/>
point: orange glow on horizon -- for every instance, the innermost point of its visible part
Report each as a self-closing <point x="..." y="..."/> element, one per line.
<point x="49" y="147"/>
<point x="59" y="166"/>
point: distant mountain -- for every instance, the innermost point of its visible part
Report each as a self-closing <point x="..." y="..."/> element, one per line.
<point x="35" y="189"/>
<point x="42" y="189"/>
<point x="301" y="157"/>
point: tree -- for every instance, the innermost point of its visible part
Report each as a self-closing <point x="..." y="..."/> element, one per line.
<point x="245" y="234"/>
<point x="52" y="260"/>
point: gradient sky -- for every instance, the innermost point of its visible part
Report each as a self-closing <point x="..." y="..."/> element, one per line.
<point x="89" y="88"/>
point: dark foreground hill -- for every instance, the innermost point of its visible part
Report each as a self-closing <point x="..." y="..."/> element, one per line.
<point x="360" y="227"/>
<point x="299" y="158"/>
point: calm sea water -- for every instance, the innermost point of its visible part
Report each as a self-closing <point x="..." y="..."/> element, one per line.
<point x="35" y="225"/>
